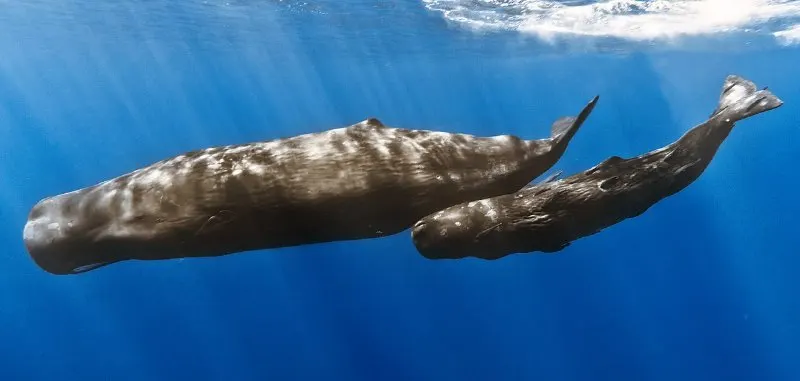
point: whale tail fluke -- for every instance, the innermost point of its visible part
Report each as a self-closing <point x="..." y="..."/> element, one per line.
<point x="741" y="99"/>
<point x="565" y="128"/>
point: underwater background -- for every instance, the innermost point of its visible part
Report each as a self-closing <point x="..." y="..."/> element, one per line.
<point x="703" y="286"/>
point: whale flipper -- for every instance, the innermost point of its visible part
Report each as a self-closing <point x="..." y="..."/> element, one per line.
<point x="741" y="99"/>
<point x="565" y="128"/>
<point x="549" y="179"/>
<point x="553" y="177"/>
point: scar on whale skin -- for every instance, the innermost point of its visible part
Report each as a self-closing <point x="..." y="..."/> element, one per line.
<point x="547" y="216"/>
<point x="362" y="181"/>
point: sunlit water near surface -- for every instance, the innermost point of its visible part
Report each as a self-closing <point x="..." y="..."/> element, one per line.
<point x="633" y="20"/>
<point x="701" y="287"/>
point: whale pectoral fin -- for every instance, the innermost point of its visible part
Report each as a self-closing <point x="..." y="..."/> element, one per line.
<point x="555" y="176"/>
<point x="549" y="179"/>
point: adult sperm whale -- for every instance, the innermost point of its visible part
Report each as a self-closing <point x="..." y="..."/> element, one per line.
<point x="546" y="217"/>
<point x="362" y="181"/>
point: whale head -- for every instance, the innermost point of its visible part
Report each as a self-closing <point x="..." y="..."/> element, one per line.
<point x="60" y="240"/>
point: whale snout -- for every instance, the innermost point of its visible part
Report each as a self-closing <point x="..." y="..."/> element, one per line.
<point x="54" y="240"/>
<point x="43" y="234"/>
<point x="432" y="240"/>
<point x="420" y="235"/>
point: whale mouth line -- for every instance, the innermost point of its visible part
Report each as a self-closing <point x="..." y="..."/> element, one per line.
<point x="627" y="20"/>
<point x="90" y="267"/>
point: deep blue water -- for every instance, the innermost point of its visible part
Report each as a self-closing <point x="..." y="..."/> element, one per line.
<point x="701" y="287"/>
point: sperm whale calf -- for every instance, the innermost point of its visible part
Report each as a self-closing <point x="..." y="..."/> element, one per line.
<point x="548" y="216"/>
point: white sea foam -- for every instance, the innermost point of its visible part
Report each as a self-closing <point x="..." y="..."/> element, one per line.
<point x="633" y="20"/>
<point x="789" y="36"/>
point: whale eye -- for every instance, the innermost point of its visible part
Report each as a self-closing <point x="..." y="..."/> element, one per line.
<point x="608" y="184"/>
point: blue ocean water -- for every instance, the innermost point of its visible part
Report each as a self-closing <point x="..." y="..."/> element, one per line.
<point x="701" y="287"/>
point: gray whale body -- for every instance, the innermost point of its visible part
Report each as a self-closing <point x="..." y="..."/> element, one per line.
<point x="362" y="181"/>
<point x="546" y="217"/>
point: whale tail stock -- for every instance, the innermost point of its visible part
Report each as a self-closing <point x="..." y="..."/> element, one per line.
<point x="565" y="128"/>
<point x="741" y="99"/>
